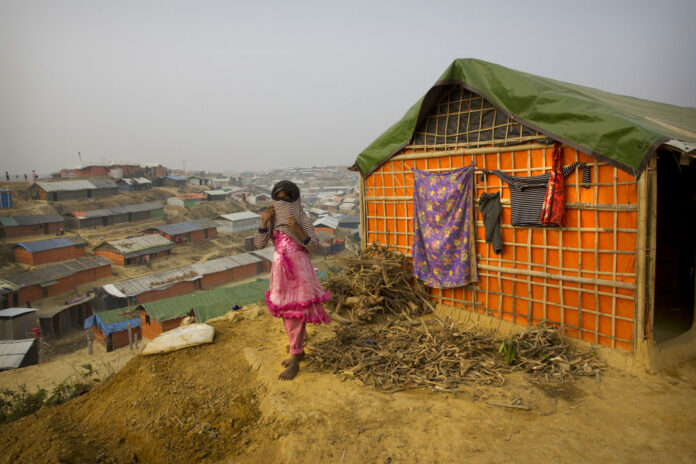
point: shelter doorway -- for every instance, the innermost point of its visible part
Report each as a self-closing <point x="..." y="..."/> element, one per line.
<point x="675" y="266"/>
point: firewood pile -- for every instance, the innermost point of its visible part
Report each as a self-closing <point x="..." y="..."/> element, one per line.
<point x="404" y="351"/>
<point x="542" y="352"/>
<point x="404" y="354"/>
<point x="377" y="281"/>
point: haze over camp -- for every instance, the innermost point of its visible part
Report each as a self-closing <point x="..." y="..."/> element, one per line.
<point x="361" y="233"/>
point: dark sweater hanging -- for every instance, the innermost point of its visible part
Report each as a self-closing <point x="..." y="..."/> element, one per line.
<point x="490" y="207"/>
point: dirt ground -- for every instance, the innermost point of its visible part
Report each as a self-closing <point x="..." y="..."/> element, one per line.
<point x="223" y="403"/>
<point x="63" y="361"/>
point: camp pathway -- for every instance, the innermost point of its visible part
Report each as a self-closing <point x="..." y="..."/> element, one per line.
<point x="223" y="403"/>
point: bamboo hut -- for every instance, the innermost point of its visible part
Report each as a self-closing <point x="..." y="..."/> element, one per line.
<point x="593" y="276"/>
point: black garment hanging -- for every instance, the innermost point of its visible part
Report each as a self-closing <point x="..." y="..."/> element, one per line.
<point x="490" y="207"/>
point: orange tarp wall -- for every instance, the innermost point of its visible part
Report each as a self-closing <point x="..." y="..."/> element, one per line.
<point x="597" y="243"/>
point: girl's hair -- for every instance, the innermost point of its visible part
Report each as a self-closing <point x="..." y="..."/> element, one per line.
<point x="287" y="187"/>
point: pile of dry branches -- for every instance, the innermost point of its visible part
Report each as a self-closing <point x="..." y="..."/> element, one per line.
<point x="404" y="354"/>
<point x="377" y="281"/>
<point x="542" y="352"/>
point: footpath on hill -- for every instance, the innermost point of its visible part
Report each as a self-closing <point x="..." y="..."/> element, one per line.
<point x="223" y="403"/>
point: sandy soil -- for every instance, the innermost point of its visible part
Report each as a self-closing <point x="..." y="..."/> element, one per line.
<point x="223" y="403"/>
<point x="57" y="365"/>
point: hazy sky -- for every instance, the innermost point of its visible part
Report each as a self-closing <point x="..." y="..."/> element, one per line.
<point x="250" y="85"/>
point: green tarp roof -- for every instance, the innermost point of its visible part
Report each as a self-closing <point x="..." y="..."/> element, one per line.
<point x="624" y="131"/>
<point x="117" y="315"/>
<point x="206" y="304"/>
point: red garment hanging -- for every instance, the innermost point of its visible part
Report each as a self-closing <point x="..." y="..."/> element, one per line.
<point x="554" y="202"/>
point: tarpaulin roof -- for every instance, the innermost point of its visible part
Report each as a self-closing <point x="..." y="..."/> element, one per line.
<point x="206" y="304"/>
<point x="50" y="244"/>
<point x="241" y="295"/>
<point x="623" y="131"/>
<point x="113" y="320"/>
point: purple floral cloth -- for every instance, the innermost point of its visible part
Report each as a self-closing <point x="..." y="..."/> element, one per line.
<point x="444" y="246"/>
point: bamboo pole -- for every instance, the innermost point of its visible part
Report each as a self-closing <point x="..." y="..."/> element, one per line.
<point x="470" y="151"/>
<point x="363" y="211"/>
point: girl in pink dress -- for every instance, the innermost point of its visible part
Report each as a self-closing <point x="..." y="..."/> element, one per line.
<point x="295" y="294"/>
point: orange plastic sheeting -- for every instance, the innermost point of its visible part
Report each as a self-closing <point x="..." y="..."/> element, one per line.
<point x="594" y="243"/>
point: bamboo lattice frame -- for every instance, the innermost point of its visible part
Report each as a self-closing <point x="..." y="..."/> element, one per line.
<point x="581" y="276"/>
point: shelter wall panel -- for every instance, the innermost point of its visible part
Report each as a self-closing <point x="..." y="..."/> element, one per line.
<point x="217" y="278"/>
<point x="114" y="257"/>
<point x="99" y="336"/>
<point x="596" y="243"/>
<point x="243" y="272"/>
<point x="197" y="235"/>
<point x="171" y="324"/>
<point x="23" y="256"/>
<point x="29" y="294"/>
<point x="103" y="271"/>
<point x="180" y="288"/>
<point x="63" y="285"/>
<point x="151" y="330"/>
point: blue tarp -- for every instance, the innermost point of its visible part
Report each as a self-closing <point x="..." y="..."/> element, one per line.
<point x="113" y="327"/>
<point x="43" y="245"/>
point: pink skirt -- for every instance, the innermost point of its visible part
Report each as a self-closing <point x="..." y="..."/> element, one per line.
<point x="295" y="290"/>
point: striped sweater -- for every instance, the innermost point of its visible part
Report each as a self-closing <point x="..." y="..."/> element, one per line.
<point x="527" y="193"/>
<point x="282" y="211"/>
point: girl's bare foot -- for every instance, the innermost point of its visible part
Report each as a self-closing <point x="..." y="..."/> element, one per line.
<point x="286" y="362"/>
<point x="293" y="366"/>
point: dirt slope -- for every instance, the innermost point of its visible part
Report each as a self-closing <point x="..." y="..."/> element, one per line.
<point x="164" y="408"/>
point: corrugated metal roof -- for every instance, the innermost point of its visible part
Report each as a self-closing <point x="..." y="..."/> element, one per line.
<point x="165" y="279"/>
<point x="6" y="286"/>
<point x="349" y="218"/>
<point x="103" y="183"/>
<point x="14" y="312"/>
<point x="174" y="178"/>
<point x="104" y="212"/>
<point x="245" y="258"/>
<point x="240" y="216"/>
<point x="50" y="244"/>
<point x="8" y="221"/>
<point x="140" y="207"/>
<point x="327" y="221"/>
<point x="136" y="246"/>
<point x="57" y="271"/>
<point x="12" y="352"/>
<point x="266" y="254"/>
<point x="215" y="192"/>
<point x="156" y="281"/>
<point x="224" y="263"/>
<point x="66" y="185"/>
<point x="30" y="220"/>
<point x="185" y="227"/>
<point x="72" y="185"/>
<point x="48" y="313"/>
